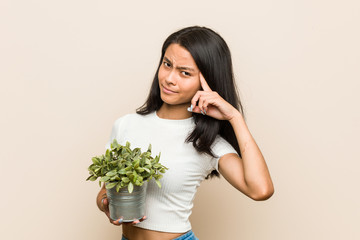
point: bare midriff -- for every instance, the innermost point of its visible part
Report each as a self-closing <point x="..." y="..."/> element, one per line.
<point x="135" y="233"/>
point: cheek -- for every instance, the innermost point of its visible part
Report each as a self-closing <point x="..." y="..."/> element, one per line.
<point x="192" y="88"/>
<point x="161" y="73"/>
<point x="196" y="86"/>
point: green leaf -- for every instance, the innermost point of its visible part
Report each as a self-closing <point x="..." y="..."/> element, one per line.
<point x="157" y="165"/>
<point x="118" y="186"/>
<point x="140" y="169"/>
<point x="91" y="178"/>
<point x="125" y="179"/>
<point x="136" y="163"/>
<point x="135" y="176"/>
<point x="137" y="159"/>
<point x="120" y="165"/>
<point x="111" y="173"/>
<point x="131" y="177"/>
<point x="157" y="176"/>
<point x="130" y="187"/>
<point x="104" y="179"/>
<point x="95" y="161"/>
<point x="114" y="144"/>
<point x="157" y="158"/>
<point x="110" y="185"/>
<point x="158" y="183"/>
<point x="114" y="163"/>
<point x="107" y="154"/>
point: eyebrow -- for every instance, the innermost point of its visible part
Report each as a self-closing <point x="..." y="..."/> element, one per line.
<point x="180" y="67"/>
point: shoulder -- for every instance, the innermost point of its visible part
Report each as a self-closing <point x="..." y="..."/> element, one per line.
<point x="221" y="146"/>
<point x="130" y="118"/>
<point x="220" y="141"/>
<point x="121" y="124"/>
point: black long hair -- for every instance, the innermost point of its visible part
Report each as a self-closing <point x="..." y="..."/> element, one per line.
<point x="212" y="56"/>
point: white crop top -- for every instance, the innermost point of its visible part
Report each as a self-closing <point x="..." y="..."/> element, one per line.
<point x="168" y="208"/>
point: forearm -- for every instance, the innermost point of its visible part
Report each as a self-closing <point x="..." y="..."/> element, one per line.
<point x="256" y="174"/>
<point x="100" y="196"/>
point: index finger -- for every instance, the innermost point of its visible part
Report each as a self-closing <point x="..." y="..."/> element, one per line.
<point x="204" y="84"/>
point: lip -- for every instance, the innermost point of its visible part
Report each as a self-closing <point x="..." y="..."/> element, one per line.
<point x="167" y="90"/>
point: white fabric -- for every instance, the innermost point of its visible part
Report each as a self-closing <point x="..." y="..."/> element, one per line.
<point x="168" y="208"/>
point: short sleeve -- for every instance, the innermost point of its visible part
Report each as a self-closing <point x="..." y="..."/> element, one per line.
<point x="114" y="132"/>
<point x="220" y="147"/>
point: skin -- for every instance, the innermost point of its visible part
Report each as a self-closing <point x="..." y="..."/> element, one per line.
<point x="248" y="174"/>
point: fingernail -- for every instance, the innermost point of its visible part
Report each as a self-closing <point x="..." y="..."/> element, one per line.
<point x="202" y="112"/>
<point x="190" y="108"/>
<point x="120" y="220"/>
<point x="205" y="111"/>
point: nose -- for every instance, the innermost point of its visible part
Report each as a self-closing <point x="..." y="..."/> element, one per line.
<point x="171" y="78"/>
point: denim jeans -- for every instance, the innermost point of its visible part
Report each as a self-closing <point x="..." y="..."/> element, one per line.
<point x="186" y="236"/>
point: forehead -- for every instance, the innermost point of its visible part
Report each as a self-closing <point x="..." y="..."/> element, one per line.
<point x="179" y="55"/>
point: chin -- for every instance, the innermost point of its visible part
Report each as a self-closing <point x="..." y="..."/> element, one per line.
<point x="172" y="100"/>
<point x="168" y="100"/>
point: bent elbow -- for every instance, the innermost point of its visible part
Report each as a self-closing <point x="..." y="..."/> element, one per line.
<point x="263" y="194"/>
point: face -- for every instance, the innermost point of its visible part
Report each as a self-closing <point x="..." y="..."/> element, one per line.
<point x="178" y="76"/>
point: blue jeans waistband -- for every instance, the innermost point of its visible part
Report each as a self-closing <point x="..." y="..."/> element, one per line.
<point x="186" y="236"/>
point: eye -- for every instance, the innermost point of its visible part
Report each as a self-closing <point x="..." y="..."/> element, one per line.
<point x="167" y="64"/>
<point x="186" y="73"/>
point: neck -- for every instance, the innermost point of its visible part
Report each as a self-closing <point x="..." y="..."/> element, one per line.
<point x="175" y="112"/>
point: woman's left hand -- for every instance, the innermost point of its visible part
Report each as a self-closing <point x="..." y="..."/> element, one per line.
<point x="211" y="103"/>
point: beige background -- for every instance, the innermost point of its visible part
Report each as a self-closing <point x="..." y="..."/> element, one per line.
<point x="70" y="68"/>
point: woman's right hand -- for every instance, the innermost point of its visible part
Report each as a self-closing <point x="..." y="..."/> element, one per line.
<point x="118" y="222"/>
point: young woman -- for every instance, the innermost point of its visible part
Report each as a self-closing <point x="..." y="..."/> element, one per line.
<point x="194" y="117"/>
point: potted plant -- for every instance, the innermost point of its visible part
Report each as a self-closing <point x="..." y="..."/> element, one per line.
<point x="125" y="173"/>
